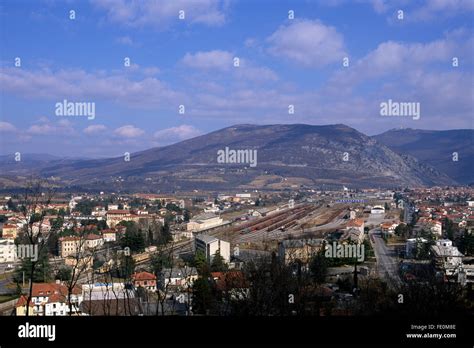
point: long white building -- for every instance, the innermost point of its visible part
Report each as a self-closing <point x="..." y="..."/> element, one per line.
<point x="204" y="222"/>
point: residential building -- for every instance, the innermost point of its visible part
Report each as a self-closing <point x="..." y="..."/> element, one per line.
<point x="354" y="235"/>
<point x="93" y="241"/>
<point x="7" y="250"/>
<point x="388" y="227"/>
<point x="210" y="245"/>
<point x="445" y="256"/>
<point x="183" y="277"/>
<point x="70" y="245"/>
<point x="10" y="231"/>
<point x="436" y="227"/>
<point x="109" y="235"/>
<point x="115" y="216"/>
<point x="145" y="280"/>
<point x="356" y="224"/>
<point x="303" y="250"/>
<point x="50" y="299"/>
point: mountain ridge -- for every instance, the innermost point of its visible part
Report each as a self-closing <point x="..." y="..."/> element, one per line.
<point x="437" y="149"/>
<point x="289" y="155"/>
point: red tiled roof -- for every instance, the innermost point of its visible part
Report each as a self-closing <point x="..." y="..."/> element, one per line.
<point x="22" y="301"/>
<point x="93" y="236"/>
<point x="55" y="292"/>
<point x="118" y="211"/>
<point x="229" y="280"/>
<point x="109" y="230"/>
<point x="143" y="276"/>
<point x="9" y="226"/>
<point x="69" y="239"/>
<point x="356" y="222"/>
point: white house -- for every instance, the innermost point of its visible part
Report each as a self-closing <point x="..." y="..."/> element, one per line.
<point x="445" y="255"/>
<point x="109" y="235"/>
<point x="388" y="227"/>
<point x="436" y="227"/>
<point x="7" y="250"/>
<point x="93" y="241"/>
<point x="50" y="299"/>
<point x="178" y="277"/>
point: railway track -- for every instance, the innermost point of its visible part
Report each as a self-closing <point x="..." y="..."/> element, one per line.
<point x="276" y="227"/>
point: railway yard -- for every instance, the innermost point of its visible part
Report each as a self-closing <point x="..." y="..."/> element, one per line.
<point x="304" y="220"/>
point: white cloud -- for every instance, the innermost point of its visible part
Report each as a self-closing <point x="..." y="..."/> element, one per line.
<point x="7" y="127"/>
<point x="210" y="60"/>
<point x="81" y="85"/>
<point x="307" y="42"/>
<point x="175" y="134"/>
<point x="125" y="40"/>
<point x="434" y="9"/>
<point x="250" y="42"/>
<point x="414" y="10"/>
<point x="390" y="55"/>
<point x="217" y="60"/>
<point x="160" y="14"/>
<point x="150" y="71"/>
<point x="406" y="58"/>
<point x="46" y="127"/>
<point x="250" y="72"/>
<point x="94" y="129"/>
<point x="129" y="131"/>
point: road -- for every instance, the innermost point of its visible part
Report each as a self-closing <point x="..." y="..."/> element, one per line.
<point x="387" y="263"/>
<point x="408" y="212"/>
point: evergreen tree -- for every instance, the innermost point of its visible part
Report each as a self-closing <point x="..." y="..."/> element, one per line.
<point x="319" y="267"/>
<point x="133" y="237"/>
<point x="203" y="298"/>
<point x="218" y="263"/>
<point x="186" y="216"/>
<point x="201" y="264"/>
<point x="42" y="269"/>
<point x="165" y="234"/>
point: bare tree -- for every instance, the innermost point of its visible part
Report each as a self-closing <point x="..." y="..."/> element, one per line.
<point x="80" y="261"/>
<point x="33" y="203"/>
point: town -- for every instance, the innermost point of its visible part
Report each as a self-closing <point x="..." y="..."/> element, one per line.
<point x="290" y="252"/>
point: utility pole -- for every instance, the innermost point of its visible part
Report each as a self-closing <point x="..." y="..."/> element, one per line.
<point x="356" y="282"/>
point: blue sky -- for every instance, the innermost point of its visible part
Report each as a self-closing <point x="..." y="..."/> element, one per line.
<point x="190" y="62"/>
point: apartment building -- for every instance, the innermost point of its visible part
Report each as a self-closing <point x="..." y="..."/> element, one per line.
<point x="210" y="245"/>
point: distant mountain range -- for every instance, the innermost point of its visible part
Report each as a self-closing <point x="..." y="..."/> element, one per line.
<point x="288" y="156"/>
<point x="439" y="149"/>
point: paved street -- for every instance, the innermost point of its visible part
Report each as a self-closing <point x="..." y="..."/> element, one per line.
<point x="387" y="264"/>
